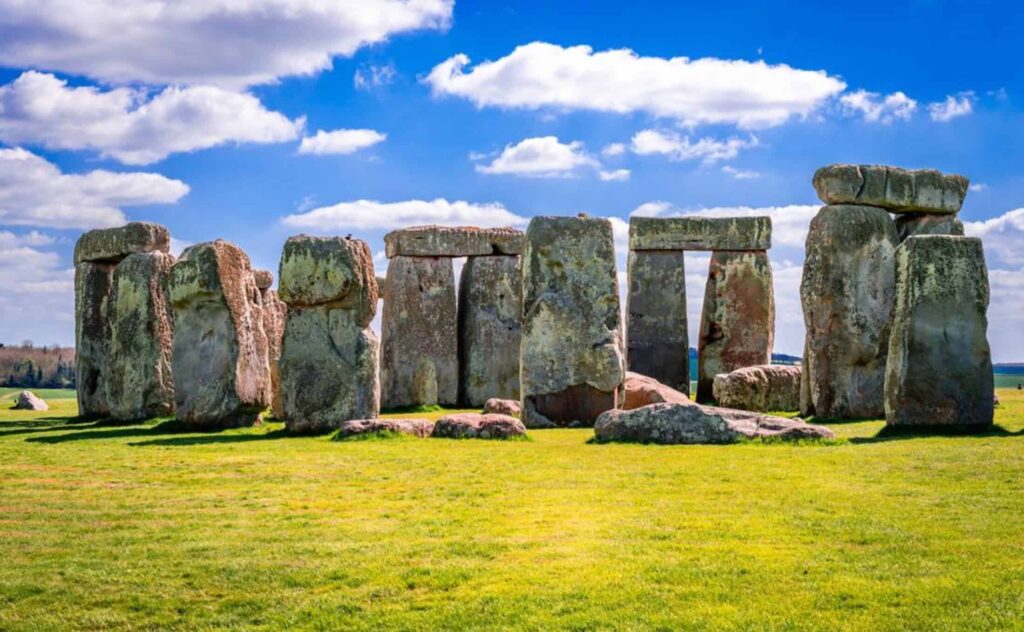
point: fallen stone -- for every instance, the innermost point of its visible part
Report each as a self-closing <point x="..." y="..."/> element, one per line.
<point x="27" y="400"/>
<point x="93" y="283"/>
<point x="892" y="188"/>
<point x="490" y="314"/>
<point x="737" y="324"/>
<point x="111" y="245"/>
<point x="773" y="387"/>
<point x="421" y="428"/>
<point x="696" y="424"/>
<point x="572" y="363"/>
<point x="452" y="241"/>
<point x="939" y="370"/>
<point x="219" y="350"/>
<point x="911" y="224"/>
<point x="264" y="279"/>
<point x="139" y="382"/>
<point x="700" y="233"/>
<point x="641" y="390"/>
<point x="509" y="407"/>
<point x="477" y="426"/>
<point x="419" y="360"/>
<point x="275" y="314"/>
<point x="847" y="293"/>
<point x="656" y="334"/>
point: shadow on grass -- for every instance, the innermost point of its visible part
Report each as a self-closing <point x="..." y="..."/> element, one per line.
<point x="212" y="439"/>
<point x="112" y="429"/>
<point x="923" y="432"/>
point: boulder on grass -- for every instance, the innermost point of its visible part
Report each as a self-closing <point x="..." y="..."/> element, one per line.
<point x="27" y="400"/>
<point x="415" y="427"/>
<point x="760" y="388"/>
<point x="498" y="406"/>
<point x="644" y="391"/>
<point x="477" y="426"/>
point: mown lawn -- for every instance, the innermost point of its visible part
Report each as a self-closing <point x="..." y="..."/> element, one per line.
<point x="139" y="527"/>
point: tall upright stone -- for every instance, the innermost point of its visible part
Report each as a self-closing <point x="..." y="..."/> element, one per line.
<point x="847" y="292"/>
<point x="939" y="370"/>
<point x="571" y="357"/>
<point x="219" y="350"/>
<point x="274" y="313"/>
<point x="737" y="325"/>
<point x="419" y="360"/>
<point x="490" y="315"/>
<point x="329" y="356"/>
<point x="139" y="383"/>
<point x="657" y="341"/>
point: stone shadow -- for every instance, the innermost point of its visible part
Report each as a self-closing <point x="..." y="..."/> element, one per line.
<point x="209" y="439"/>
<point x="924" y="432"/>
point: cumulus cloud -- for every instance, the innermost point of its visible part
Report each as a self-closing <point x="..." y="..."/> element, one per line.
<point x="874" y="108"/>
<point x="1003" y="236"/>
<point x="221" y="42"/>
<point x="37" y="289"/>
<point x="129" y="125"/>
<point x="690" y="91"/>
<point x="34" y="192"/>
<point x="741" y="174"/>
<point x="613" y="149"/>
<point x="615" y="175"/>
<point x="342" y="141"/>
<point x="953" y="107"/>
<point x="373" y="215"/>
<point x="677" y="147"/>
<point x="542" y="157"/>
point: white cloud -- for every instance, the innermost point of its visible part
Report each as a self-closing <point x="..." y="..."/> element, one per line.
<point x="978" y="187"/>
<point x="31" y="238"/>
<point x="677" y="147"/>
<point x="690" y="91"/>
<point x="342" y="141"/>
<point x="542" y="157"/>
<point x="1003" y="236"/>
<point x="1006" y="314"/>
<point x="34" y="192"/>
<point x="616" y="175"/>
<point x="372" y="76"/>
<point x="613" y="149"/>
<point x="875" y="108"/>
<point x="130" y="126"/>
<point x="741" y="174"/>
<point x="38" y="292"/>
<point x="231" y="43"/>
<point x="373" y="215"/>
<point x="953" y="107"/>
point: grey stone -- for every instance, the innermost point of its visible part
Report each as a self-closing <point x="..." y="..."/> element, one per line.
<point x="27" y="400"/>
<point x="571" y="358"/>
<point x="453" y="241"/>
<point x="139" y="382"/>
<point x="264" y="279"/>
<point x="478" y="426"/>
<point x="219" y="353"/>
<point x="700" y="233"/>
<point x="93" y="282"/>
<point x="419" y="360"/>
<point x="910" y="224"/>
<point x="892" y="188"/>
<point x="847" y="293"/>
<point x="696" y="424"/>
<point x="111" y="245"/>
<point x="508" y="407"/>
<point x="275" y="314"/>
<point x="737" y="325"/>
<point x="641" y="390"/>
<point x="421" y="428"/>
<point x="939" y="370"/>
<point x="490" y="314"/>
<point x="329" y="270"/>
<point x="657" y="342"/>
<point x="772" y="387"/>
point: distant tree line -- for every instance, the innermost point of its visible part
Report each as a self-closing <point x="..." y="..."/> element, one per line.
<point x="28" y="366"/>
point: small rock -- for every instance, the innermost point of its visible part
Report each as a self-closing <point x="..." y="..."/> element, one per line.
<point x="27" y="400"/>
<point x="264" y="279"/>
<point x="477" y="426"/>
<point x="644" y="391"/>
<point x="760" y="388"/>
<point x="415" y="427"/>
<point x="509" y="407"/>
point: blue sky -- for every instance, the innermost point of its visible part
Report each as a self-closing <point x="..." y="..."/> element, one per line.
<point x="209" y="111"/>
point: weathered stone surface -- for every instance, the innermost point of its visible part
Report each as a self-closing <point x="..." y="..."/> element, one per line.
<point x="329" y="270"/>
<point x="760" y="388"/>
<point x="700" y="233"/>
<point x="419" y="362"/>
<point x="477" y="426"/>
<point x="910" y="224"/>
<point x="571" y="358"/>
<point x="27" y="400"/>
<point x="275" y="314"/>
<point x="693" y="423"/>
<point x="453" y="241"/>
<point x="139" y="382"/>
<point x="219" y="353"/>
<point x="641" y="390"/>
<point x="111" y="245"/>
<point x="93" y="282"/>
<point x="892" y="188"/>
<point x="264" y="279"/>
<point x="421" y="428"/>
<point x="508" y="407"/>
<point x="657" y="342"/>
<point x="490" y="314"/>
<point x="939" y="370"/>
<point x="847" y="294"/>
<point x="737" y="325"/>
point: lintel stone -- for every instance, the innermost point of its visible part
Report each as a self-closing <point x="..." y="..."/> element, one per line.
<point x="453" y="241"/>
<point x="111" y="245"/>
<point x="892" y="188"/>
<point x="700" y="233"/>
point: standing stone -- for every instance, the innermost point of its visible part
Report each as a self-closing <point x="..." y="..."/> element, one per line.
<point x="139" y="383"/>
<point x="93" y="282"/>
<point x="329" y="357"/>
<point x="939" y="370"/>
<point x="571" y="357"/>
<point x="737" y="325"/>
<point x="657" y="341"/>
<point x="847" y="293"/>
<point x="420" y="362"/>
<point x="219" y="352"/>
<point x="275" y="313"/>
<point x="490" y="313"/>
<point x="908" y="225"/>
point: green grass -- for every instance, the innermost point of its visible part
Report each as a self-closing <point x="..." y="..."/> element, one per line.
<point x="118" y="527"/>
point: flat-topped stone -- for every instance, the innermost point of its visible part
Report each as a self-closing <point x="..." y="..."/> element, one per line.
<point x="770" y="387"/>
<point x="421" y="428"/>
<point x="700" y="233"/>
<point x="114" y="244"/>
<point x="322" y="270"/>
<point x="453" y="241"/>
<point x="895" y="189"/>
<point x="478" y="426"/>
<point x="264" y="279"/>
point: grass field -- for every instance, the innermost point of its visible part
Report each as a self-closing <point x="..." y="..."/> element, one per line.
<point x="139" y="527"/>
